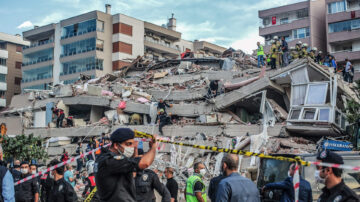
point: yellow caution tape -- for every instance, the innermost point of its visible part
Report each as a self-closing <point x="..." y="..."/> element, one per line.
<point x="91" y="195"/>
<point x="231" y="151"/>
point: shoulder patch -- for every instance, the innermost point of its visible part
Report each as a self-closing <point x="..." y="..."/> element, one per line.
<point x="338" y="198"/>
<point x="145" y="177"/>
<point x="119" y="157"/>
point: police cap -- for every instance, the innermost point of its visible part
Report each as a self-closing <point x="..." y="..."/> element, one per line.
<point x="122" y="134"/>
<point x="327" y="156"/>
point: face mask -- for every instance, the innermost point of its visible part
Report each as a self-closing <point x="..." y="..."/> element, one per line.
<point x="203" y="172"/>
<point x="289" y="174"/>
<point x="319" y="179"/>
<point x="33" y="172"/>
<point x="24" y="171"/>
<point x="51" y="176"/>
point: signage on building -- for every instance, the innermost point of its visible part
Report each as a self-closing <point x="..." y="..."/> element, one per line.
<point x="273" y="20"/>
<point x="337" y="145"/>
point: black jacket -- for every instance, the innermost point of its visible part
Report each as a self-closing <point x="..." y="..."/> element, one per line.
<point x="339" y="193"/>
<point x="145" y="182"/>
<point x="62" y="191"/>
<point x="26" y="190"/>
<point x="114" y="177"/>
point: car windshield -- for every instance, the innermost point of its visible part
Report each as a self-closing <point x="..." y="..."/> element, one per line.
<point x="272" y="171"/>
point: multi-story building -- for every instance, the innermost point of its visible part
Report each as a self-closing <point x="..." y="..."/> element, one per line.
<point x="303" y="21"/>
<point x="97" y="43"/>
<point x="343" y="31"/>
<point x="10" y="66"/>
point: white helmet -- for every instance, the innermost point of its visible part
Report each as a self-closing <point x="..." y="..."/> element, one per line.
<point x="272" y="41"/>
<point x="320" y="52"/>
<point x="305" y="45"/>
<point x="276" y="37"/>
<point x="314" y="49"/>
<point x="90" y="166"/>
<point x="299" y="42"/>
<point x="292" y="48"/>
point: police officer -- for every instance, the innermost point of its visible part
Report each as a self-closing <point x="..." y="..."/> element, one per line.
<point x="145" y="182"/>
<point x="61" y="191"/>
<point x="46" y="184"/>
<point x="195" y="189"/>
<point x="335" y="188"/>
<point x="27" y="191"/>
<point x="114" y="168"/>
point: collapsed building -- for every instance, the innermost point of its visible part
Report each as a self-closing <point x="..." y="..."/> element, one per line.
<point x="287" y="110"/>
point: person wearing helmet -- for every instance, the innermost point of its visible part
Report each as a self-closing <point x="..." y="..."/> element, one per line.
<point x="293" y="54"/>
<point x="285" y="51"/>
<point x="163" y="120"/>
<point x="319" y="58"/>
<point x="273" y="54"/>
<point x="89" y="182"/>
<point x="279" y="54"/>
<point x="303" y="52"/>
<point x="312" y="53"/>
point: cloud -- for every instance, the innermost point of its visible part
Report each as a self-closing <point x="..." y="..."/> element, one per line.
<point x="52" y="18"/>
<point x="248" y="43"/>
<point x="26" y="24"/>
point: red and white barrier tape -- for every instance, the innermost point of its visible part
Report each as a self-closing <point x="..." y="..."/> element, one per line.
<point x="334" y="165"/>
<point x="59" y="165"/>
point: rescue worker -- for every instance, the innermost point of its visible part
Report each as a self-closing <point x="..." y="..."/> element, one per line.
<point x="162" y="105"/>
<point x="260" y="54"/>
<point x="46" y="183"/>
<point x="89" y="182"/>
<point x="285" y="52"/>
<point x="303" y="52"/>
<point x="95" y="144"/>
<point x="279" y="51"/>
<point x="27" y="191"/>
<point x="114" y="168"/>
<point x="273" y="54"/>
<point x="335" y="188"/>
<point x="163" y="120"/>
<point x="293" y="54"/>
<point x="268" y="59"/>
<point x="145" y="182"/>
<point x="298" y="48"/>
<point x="313" y="53"/>
<point x="195" y="189"/>
<point x="61" y="191"/>
<point x="60" y="116"/>
<point x="135" y="119"/>
<point x="318" y="58"/>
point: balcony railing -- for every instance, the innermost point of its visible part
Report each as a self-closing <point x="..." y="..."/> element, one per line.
<point x="88" y="49"/>
<point x="39" y="60"/>
<point x="84" y="69"/>
<point x="278" y="22"/>
<point x="162" y="43"/>
<point x="40" y="43"/>
<point x="37" y="78"/>
<point x="90" y="29"/>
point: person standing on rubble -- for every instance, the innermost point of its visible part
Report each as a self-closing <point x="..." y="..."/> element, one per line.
<point x="163" y="119"/>
<point x="273" y="54"/>
<point x="235" y="187"/>
<point x="279" y="51"/>
<point x="115" y="167"/>
<point x="213" y="88"/>
<point x="145" y="182"/>
<point x="305" y="192"/>
<point x="60" y="116"/>
<point x="285" y="51"/>
<point x="319" y="58"/>
<point x="162" y="105"/>
<point x="335" y="189"/>
<point x="195" y="189"/>
<point x="260" y="55"/>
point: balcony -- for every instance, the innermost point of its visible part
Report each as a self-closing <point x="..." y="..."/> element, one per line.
<point x="342" y="55"/>
<point x="4" y="54"/>
<point x="2" y="102"/>
<point x="343" y="36"/>
<point x="3" y="69"/>
<point x="162" y="47"/>
<point x="40" y="32"/>
<point x="89" y="30"/>
<point x="296" y="24"/>
<point x="162" y="32"/>
<point x="283" y="9"/>
<point x="39" y="60"/>
<point x="38" y="46"/>
<point x="3" y="86"/>
<point x="341" y="16"/>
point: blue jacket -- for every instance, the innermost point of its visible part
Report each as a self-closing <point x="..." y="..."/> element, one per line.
<point x="305" y="194"/>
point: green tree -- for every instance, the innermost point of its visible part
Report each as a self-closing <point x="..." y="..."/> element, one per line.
<point x="24" y="147"/>
<point x="353" y="107"/>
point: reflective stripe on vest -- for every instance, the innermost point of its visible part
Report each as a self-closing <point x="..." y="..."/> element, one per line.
<point x="260" y="50"/>
<point x="190" y="194"/>
<point x="92" y="181"/>
<point x="97" y="145"/>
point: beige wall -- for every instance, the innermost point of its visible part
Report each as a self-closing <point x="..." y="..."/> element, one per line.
<point x="13" y="57"/>
<point x="317" y="15"/>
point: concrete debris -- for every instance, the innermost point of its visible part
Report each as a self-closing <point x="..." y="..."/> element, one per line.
<point x="261" y="110"/>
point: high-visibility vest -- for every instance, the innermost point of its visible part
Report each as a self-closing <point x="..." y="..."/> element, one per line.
<point x="97" y="145"/>
<point x="190" y="194"/>
<point x="260" y="50"/>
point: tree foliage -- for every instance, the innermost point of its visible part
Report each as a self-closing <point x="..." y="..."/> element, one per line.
<point x="24" y="147"/>
<point x="353" y="108"/>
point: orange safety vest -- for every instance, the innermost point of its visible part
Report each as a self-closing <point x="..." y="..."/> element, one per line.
<point x="97" y="145"/>
<point x="92" y="181"/>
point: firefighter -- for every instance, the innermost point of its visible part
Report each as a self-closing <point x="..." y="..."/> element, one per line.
<point x="273" y="54"/>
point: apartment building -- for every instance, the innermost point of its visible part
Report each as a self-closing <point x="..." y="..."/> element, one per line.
<point x="97" y="43"/>
<point x="10" y="66"/>
<point x="303" y="21"/>
<point x="343" y="31"/>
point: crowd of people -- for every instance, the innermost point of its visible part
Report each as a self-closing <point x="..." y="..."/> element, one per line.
<point x="281" y="55"/>
<point x="121" y="173"/>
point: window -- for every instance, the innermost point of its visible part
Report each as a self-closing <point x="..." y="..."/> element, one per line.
<point x="316" y="94"/>
<point x="295" y="114"/>
<point x="17" y="81"/>
<point x="324" y="115"/>
<point x="336" y="7"/>
<point x="3" y="61"/>
<point x="99" y="45"/>
<point x="266" y="21"/>
<point x="18" y="49"/>
<point x="302" y="13"/>
<point x="79" y="28"/>
<point x="2" y="94"/>
<point x="301" y="33"/>
<point x="37" y="74"/>
<point x="81" y="65"/>
<point x="18" y="65"/>
<point x="284" y="21"/>
<point x="79" y="47"/>
<point x="37" y="57"/>
<point x="2" y="45"/>
<point x="3" y="78"/>
<point x="309" y="114"/>
<point x="100" y="26"/>
<point x="298" y="94"/>
<point x="344" y="26"/>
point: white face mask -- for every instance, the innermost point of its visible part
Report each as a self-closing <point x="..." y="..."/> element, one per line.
<point x="51" y="176"/>
<point x="128" y="151"/>
<point x="203" y="172"/>
<point x="289" y="174"/>
<point x="24" y="171"/>
<point x="33" y="172"/>
<point x="319" y="179"/>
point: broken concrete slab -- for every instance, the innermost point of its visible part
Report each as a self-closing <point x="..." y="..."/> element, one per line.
<point x="63" y="91"/>
<point x="179" y="95"/>
<point x="87" y="100"/>
<point x="94" y="90"/>
<point x="66" y="132"/>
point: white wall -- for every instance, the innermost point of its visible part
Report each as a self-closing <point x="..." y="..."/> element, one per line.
<point x="40" y="119"/>
<point x="184" y="44"/>
<point x="136" y="40"/>
<point x="4" y="54"/>
<point x="57" y="52"/>
<point x="356" y="45"/>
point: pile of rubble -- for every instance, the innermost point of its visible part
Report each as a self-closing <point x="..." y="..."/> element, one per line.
<point x="262" y="110"/>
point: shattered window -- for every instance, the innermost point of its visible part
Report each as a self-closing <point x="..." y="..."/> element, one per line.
<point x="324" y="114"/>
<point x="316" y="94"/>
<point x="337" y="117"/>
<point x="295" y="114"/>
<point x="309" y="114"/>
<point x="298" y="94"/>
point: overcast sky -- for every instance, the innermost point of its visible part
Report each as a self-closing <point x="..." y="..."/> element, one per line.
<point x="228" y="23"/>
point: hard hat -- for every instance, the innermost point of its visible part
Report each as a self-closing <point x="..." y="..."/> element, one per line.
<point x="305" y="45"/>
<point x="90" y="166"/>
<point x="299" y="42"/>
<point x="292" y="48"/>
<point x="272" y="41"/>
<point x="276" y="37"/>
<point x="161" y="110"/>
<point x="314" y="49"/>
<point x="320" y="52"/>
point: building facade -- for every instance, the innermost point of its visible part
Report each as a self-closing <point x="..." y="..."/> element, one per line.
<point x="97" y="43"/>
<point x="343" y="31"/>
<point x="10" y="67"/>
<point x="303" y="21"/>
